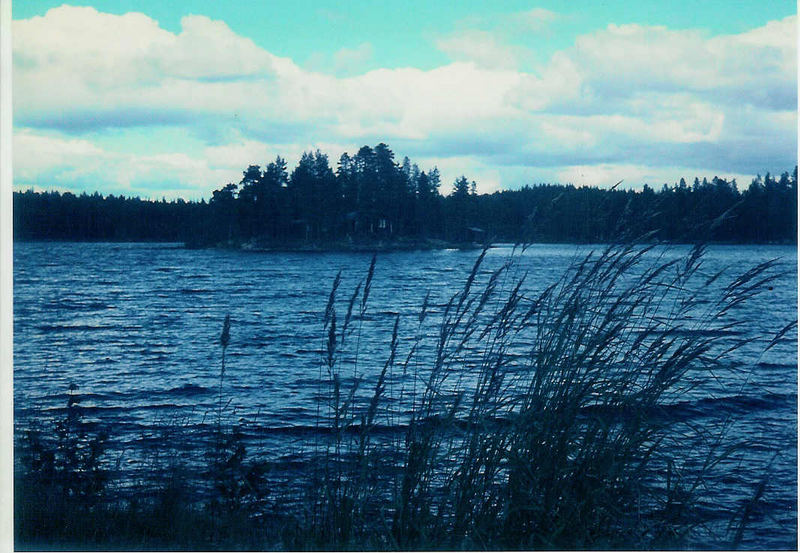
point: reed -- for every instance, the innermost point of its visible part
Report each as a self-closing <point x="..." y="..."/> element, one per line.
<point x="562" y="447"/>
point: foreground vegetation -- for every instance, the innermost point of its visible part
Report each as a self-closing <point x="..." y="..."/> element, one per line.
<point x="371" y="197"/>
<point x="458" y="440"/>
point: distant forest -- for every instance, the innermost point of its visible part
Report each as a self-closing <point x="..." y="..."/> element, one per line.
<point x="371" y="197"/>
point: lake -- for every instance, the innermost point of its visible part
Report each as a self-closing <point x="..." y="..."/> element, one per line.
<point x="136" y="328"/>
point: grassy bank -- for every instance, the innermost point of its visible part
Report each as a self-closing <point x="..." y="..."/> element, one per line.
<point x="561" y="445"/>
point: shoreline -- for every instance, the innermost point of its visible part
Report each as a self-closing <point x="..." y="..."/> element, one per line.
<point x="338" y="246"/>
<point x="382" y="246"/>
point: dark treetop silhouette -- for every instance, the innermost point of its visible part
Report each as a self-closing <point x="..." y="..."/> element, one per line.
<point x="371" y="197"/>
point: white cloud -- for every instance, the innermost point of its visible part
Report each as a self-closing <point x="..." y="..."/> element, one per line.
<point x="102" y="63"/>
<point x="536" y="19"/>
<point x="480" y="47"/>
<point x="34" y="155"/>
<point x="487" y="179"/>
<point x="606" y="175"/>
<point x="627" y="96"/>
<point x="352" y="60"/>
<point x="52" y="162"/>
<point x="623" y="61"/>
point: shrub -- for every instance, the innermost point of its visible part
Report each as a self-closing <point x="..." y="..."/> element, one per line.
<point x="63" y="482"/>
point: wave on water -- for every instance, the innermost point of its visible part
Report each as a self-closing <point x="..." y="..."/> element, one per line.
<point x="700" y="408"/>
<point x="77" y="305"/>
<point x="188" y="390"/>
<point x="84" y="327"/>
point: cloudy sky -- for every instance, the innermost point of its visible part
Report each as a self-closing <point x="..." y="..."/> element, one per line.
<point x="156" y="98"/>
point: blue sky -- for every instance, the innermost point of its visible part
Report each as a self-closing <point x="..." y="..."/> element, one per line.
<point x="176" y="98"/>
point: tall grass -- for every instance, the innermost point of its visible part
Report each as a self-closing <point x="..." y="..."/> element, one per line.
<point x="562" y="447"/>
<point x="502" y="420"/>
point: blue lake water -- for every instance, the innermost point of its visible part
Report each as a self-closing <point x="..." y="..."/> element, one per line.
<point x="136" y="328"/>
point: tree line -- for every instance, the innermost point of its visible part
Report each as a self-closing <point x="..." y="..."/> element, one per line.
<point x="371" y="196"/>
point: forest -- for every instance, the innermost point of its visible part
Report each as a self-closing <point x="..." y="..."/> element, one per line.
<point x="370" y="197"/>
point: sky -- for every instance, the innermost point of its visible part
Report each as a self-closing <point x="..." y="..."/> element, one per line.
<point x="175" y="99"/>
